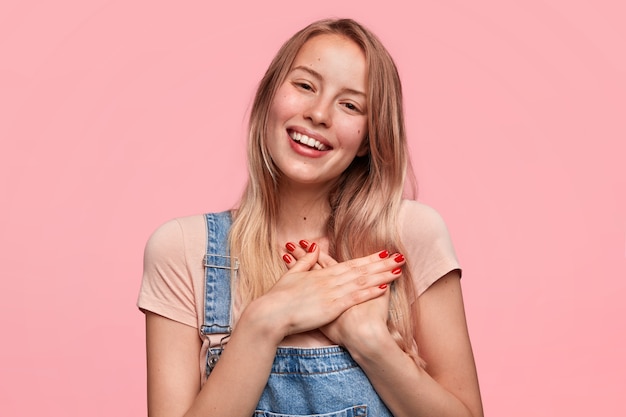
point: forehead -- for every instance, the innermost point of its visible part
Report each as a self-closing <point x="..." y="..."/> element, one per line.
<point x="336" y="55"/>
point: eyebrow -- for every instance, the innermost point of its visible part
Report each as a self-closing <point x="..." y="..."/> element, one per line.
<point x="319" y="77"/>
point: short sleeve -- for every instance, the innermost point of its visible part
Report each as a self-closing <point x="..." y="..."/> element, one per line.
<point x="430" y="253"/>
<point x="166" y="285"/>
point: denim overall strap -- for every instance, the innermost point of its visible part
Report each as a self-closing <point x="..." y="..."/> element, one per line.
<point x="218" y="266"/>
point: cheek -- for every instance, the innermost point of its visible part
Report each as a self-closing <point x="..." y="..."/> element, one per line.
<point x="283" y="106"/>
<point x="275" y="111"/>
<point x="361" y="134"/>
<point x="356" y="134"/>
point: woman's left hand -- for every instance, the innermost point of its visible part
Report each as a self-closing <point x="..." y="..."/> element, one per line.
<point x="361" y="324"/>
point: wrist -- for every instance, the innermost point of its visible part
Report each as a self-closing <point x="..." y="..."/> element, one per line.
<point x="257" y="320"/>
<point x="370" y="341"/>
<point x="379" y="355"/>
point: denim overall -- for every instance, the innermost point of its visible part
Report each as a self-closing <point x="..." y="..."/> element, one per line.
<point x="322" y="381"/>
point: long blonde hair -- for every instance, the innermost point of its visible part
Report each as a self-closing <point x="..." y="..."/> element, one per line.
<point x="366" y="198"/>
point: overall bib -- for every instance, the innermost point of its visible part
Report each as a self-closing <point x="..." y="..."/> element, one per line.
<point x="322" y="381"/>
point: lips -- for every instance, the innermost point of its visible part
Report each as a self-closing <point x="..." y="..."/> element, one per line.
<point x="308" y="141"/>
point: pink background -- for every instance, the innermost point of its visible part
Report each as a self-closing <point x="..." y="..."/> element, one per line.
<point x="116" y="116"/>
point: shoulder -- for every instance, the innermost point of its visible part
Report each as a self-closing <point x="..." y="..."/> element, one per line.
<point x="427" y="243"/>
<point x="421" y="221"/>
<point x="176" y="236"/>
<point x="172" y="269"/>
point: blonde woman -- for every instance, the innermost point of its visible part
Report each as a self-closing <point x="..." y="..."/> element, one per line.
<point x="325" y="291"/>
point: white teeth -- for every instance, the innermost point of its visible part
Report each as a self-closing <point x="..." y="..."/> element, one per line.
<point x="305" y="140"/>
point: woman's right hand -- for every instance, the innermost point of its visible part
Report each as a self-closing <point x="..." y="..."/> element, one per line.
<point x="307" y="297"/>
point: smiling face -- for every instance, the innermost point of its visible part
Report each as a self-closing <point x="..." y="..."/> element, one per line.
<point x="318" y="119"/>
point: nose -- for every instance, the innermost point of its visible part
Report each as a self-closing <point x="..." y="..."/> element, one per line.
<point x="319" y="112"/>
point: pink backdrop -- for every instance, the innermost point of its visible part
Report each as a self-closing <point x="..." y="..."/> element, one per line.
<point x="118" y="115"/>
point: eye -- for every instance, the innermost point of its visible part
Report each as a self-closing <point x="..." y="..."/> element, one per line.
<point x="304" y="86"/>
<point x="352" y="107"/>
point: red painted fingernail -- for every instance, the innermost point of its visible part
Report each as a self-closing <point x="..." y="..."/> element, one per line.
<point x="313" y="247"/>
<point x="304" y="244"/>
<point x="287" y="258"/>
<point x="290" y="246"/>
<point x="399" y="258"/>
<point x="396" y="271"/>
<point x="383" y="254"/>
<point x="382" y="286"/>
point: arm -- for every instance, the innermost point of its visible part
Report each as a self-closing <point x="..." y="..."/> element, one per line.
<point x="449" y="386"/>
<point x="172" y="352"/>
<point x="173" y="347"/>
<point x="235" y="385"/>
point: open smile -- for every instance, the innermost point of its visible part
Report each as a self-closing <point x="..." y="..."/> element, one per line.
<point x="308" y="141"/>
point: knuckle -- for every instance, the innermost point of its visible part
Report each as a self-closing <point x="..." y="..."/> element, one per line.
<point x="360" y="270"/>
<point x="355" y="298"/>
<point x="342" y="304"/>
<point x="351" y="263"/>
<point x="361" y="281"/>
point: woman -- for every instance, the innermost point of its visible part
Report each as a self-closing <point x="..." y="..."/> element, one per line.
<point x="335" y="279"/>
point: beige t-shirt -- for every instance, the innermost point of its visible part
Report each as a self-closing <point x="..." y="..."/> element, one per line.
<point x="173" y="275"/>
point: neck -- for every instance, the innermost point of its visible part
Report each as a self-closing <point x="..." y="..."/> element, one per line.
<point x="303" y="213"/>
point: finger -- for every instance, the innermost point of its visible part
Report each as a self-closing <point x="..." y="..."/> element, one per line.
<point x="365" y="294"/>
<point x="298" y="252"/>
<point x="294" y="253"/>
<point x="305" y="262"/>
<point x="372" y="264"/>
<point x="326" y="260"/>
<point x="361" y="281"/>
<point x="376" y="263"/>
<point x="289" y="260"/>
